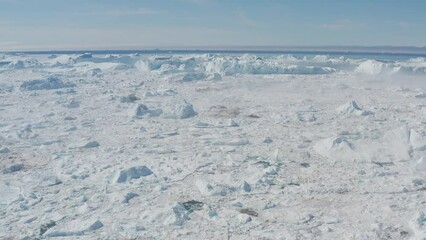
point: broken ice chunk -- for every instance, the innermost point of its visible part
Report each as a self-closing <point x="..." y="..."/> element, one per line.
<point x="193" y="205"/>
<point x="133" y="173"/>
<point x="13" y="168"/>
<point x="51" y="181"/>
<point x="243" y="218"/>
<point x="73" y="104"/>
<point x="352" y="108"/>
<point x="270" y="170"/>
<point x="74" y="228"/>
<point x="161" y="93"/>
<point x="142" y="110"/>
<point x="204" y="187"/>
<point x="421" y="164"/>
<point x="129" y="196"/>
<point x="181" y="214"/>
<point x="338" y="147"/>
<point x="421" y="220"/>
<point x="44" y="227"/>
<point x="4" y="150"/>
<point x="232" y="123"/>
<point x="188" y="77"/>
<point x="208" y="189"/>
<point x="306" y="117"/>
<point x="246" y="187"/>
<point x="417" y="140"/>
<point x="92" y="144"/>
<point x="129" y="99"/>
<point x="180" y="109"/>
<point x="248" y="211"/>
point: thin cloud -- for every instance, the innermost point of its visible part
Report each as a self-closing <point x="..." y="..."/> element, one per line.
<point x="129" y="12"/>
<point x="405" y="25"/>
<point x="5" y="22"/>
<point x="340" y="25"/>
<point x="198" y="2"/>
<point x="245" y="20"/>
<point x="8" y="43"/>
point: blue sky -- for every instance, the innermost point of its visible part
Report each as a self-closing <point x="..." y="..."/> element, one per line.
<point x="124" y="24"/>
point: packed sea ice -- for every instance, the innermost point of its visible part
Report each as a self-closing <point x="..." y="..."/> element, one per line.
<point x="212" y="146"/>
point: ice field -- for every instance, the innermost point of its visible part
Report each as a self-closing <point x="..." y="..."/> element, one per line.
<point x="212" y="146"/>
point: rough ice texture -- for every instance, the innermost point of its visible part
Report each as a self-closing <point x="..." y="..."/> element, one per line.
<point x="247" y="147"/>
<point x="51" y="82"/>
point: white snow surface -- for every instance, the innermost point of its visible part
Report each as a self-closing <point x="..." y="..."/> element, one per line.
<point x="211" y="147"/>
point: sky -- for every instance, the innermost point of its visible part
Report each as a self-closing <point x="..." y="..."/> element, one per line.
<point x="137" y="24"/>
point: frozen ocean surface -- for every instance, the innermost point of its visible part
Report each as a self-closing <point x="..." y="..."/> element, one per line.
<point x="212" y="145"/>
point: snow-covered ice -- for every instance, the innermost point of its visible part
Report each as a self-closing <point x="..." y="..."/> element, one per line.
<point x="212" y="146"/>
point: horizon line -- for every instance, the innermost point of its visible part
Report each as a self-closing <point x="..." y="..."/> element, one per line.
<point x="222" y="47"/>
<point x="333" y="49"/>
